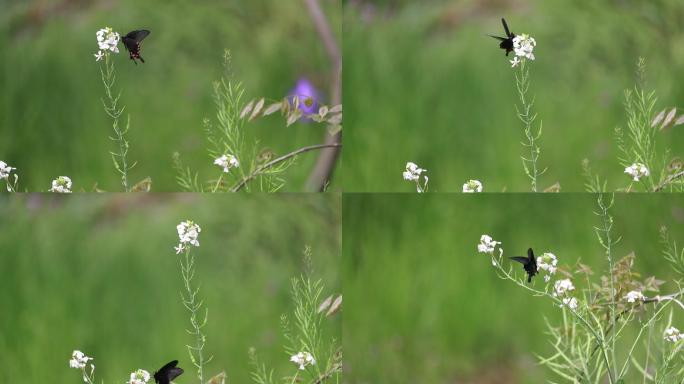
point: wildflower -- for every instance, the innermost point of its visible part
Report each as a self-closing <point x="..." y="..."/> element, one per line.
<point x="5" y="170"/>
<point x="672" y="334"/>
<point x="107" y="41"/>
<point x="472" y="186"/>
<point x="637" y="171"/>
<point x="79" y="360"/>
<point x="561" y="287"/>
<point x="303" y="359"/>
<point x="547" y="262"/>
<point x="633" y="296"/>
<point x="61" y="184"/>
<point x="515" y="62"/>
<point x="140" y="376"/>
<point x="188" y="232"/>
<point x="523" y="45"/>
<point x="307" y="94"/>
<point x="412" y="173"/>
<point x="571" y="302"/>
<point x="227" y="162"/>
<point x="487" y="244"/>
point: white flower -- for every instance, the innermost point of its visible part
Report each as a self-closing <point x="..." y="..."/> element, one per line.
<point x="303" y="359"/>
<point x="637" y="171"/>
<point x="107" y="40"/>
<point x="472" y="186"/>
<point x="547" y="262"/>
<point x="563" y="286"/>
<point x="227" y="162"/>
<point x="61" y="184"/>
<point x="571" y="302"/>
<point x="140" y="376"/>
<point x="412" y="173"/>
<point x="5" y="170"/>
<point x="188" y="232"/>
<point x="523" y="45"/>
<point x="672" y="334"/>
<point x="487" y="244"/>
<point x="633" y="296"/>
<point x="515" y="62"/>
<point x="79" y="360"/>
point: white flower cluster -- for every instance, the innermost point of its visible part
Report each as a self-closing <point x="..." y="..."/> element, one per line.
<point x="487" y="244"/>
<point x="571" y="302"/>
<point x="672" y="334"/>
<point x="562" y="287"/>
<point x="523" y="45"/>
<point x="61" y="184"/>
<point x="472" y="186"/>
<point x="5" y="170"/>
<point x="140" y="376"/>
<point x="413" y="173"/>
<point x="227" y="162"/>
<point x="303" y="359"/>
<point x="547" y="262"/>
<point x="107" y="41"/>
<point x="79" y="360"/>
<point x="188" y="232"/>
<point x="637" y="171"/>
<point x="633" y="296"/>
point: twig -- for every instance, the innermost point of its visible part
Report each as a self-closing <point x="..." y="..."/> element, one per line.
<point x="325" y="163"/>
<point x="328" y="374"/>
<point x="667" y="181"/>
<point x="280" y="159"/>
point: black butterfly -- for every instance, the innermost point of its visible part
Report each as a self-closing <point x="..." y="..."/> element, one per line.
<point x="167" y="373"/>
<point x="506" y="42"/>
<point x="132" y="42"/>
<point x="529" y="263"/>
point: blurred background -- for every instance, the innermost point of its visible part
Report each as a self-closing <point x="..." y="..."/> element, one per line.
<point x="424" y="83"/>
<point x="99" y="274"/>
<point x="51" y="119"/>
<point x="422" y="306"/>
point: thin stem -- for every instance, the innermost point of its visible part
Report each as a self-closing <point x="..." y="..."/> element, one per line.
<point x="112" y="109"/>
<point x="667" y="181"/>
<point x="522" y="81"/>
<point x="326" y="161"/>
<point x="237" y="187"/>
<point x="218" y="183"/>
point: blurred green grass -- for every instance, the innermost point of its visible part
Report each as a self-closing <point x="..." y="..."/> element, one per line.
<point x="424" y="83"/>
<point x="423" y="306"/>
<point x="52" y="122"/>
<point x="99" y="273"/>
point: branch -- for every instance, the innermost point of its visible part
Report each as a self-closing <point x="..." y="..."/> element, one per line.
<point x="667" y="181"/>
<point x="280" y="159"/>
<point x="325" y="163"/>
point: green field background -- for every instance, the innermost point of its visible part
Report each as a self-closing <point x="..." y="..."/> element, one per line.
<point x="422" y="306"/>
<point x="424" y="83"/>
<point x="51" y="119"/>
<point x="99" y="274"/>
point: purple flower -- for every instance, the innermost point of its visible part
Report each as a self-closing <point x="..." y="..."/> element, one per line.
<point x="304" y="89"/>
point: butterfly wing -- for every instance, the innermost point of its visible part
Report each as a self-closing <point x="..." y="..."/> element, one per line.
<point x="137" y="35"/>
<point x="520" y="259"/>
<point x="508" y="33"/>
<point x="168" y="372"/>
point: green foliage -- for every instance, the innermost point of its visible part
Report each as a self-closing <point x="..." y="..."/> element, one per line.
<point x="51" y="119"/>
<point x="435" y="311"/>
<point x="98" y="273"/>
<point x="426" y="82"/>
